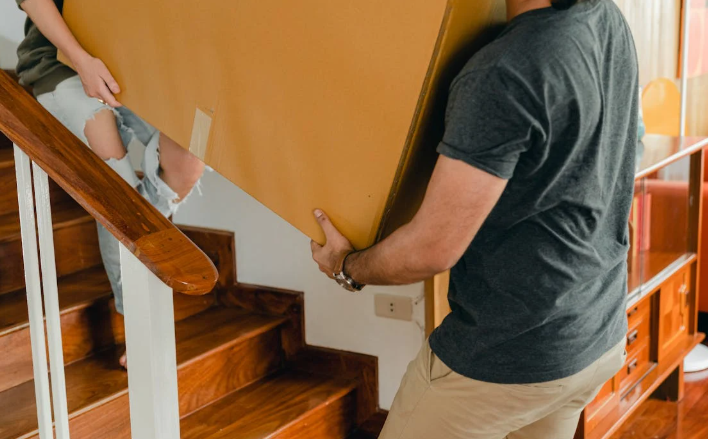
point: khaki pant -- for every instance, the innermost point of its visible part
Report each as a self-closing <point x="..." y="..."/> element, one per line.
<point x="434" y="402"/>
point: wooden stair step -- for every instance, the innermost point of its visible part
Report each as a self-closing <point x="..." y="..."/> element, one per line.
<point x="75" y="244"/>
<point x="7" y="157"/>
<point x="88" y="383"/>
<point x="222" y="350"/>
<point x="216" y="328"/>
<point x="76" y="290"/>
<point x="85" y="322"/>
<point x="218" y="351"/>
<point x="8" y="184"/>
<point x="292" y="404"/>
<point x="64" y="215"/>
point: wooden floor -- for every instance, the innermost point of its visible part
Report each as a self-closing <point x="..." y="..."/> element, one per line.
<point x="687" y="419"/>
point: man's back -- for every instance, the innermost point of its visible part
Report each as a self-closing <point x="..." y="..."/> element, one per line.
<point x="551" y="106"/>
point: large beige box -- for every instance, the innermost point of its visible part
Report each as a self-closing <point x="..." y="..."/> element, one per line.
<point x="337" y="104"/>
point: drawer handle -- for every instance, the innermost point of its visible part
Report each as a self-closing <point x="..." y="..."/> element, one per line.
<point x="633" y="311"/>
<point x="632" y="366"/>
<point x="632" y="337"/>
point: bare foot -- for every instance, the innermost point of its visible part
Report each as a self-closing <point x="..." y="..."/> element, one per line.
<point x="123" y="361"/>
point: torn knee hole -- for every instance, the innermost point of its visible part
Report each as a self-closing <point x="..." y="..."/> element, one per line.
<point x="97" y="131"/>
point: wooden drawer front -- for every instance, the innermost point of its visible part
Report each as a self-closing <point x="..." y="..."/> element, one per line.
<point x="636" y="365"/>
<point x="639" y="312"/>
<point x="638" y="334"/>
<point x="630" y="398"/>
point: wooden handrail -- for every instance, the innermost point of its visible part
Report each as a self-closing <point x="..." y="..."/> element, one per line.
<point x="146" y="233"/>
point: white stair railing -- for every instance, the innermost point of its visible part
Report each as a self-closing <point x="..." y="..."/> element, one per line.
<point x="25" y="198"/>
<point x="51" y="300"/>
<point x="149" y="324"/>
<point x="152" y="353"/>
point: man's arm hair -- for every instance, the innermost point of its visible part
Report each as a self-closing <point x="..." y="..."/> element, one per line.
<point x="458" y="200"/>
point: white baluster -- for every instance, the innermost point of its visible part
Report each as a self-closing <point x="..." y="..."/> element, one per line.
<point x="51" y="301"/>
<point x="151" y="350"/>
<point x="34" y="293"/>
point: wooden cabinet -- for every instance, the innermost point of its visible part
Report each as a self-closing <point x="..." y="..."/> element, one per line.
<point x="662" y="279"/>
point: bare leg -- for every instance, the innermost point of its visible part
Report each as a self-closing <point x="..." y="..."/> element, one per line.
<point x="178" y="167"/>
<point x="103" y="137"/>
<point x="123" y="360"/>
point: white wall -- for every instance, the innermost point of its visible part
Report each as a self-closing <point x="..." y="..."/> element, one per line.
<point x="12" y="21"/>
<point x="273" y="253"/>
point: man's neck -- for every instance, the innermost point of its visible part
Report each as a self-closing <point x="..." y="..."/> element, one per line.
<point x="515" y="8"/>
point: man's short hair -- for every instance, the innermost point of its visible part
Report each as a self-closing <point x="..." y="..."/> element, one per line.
<point x="564" y="4"/>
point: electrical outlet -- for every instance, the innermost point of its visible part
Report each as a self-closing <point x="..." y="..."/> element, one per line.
<point x="394" y="307"/>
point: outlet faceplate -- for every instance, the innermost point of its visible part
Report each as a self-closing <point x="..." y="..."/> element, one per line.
<point x="394" y="307"/>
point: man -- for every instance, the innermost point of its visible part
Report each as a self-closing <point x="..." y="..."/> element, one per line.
<point x="85" y="104"/>
<point x="529" y="205"/>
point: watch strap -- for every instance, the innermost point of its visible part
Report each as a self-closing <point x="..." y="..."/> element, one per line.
<point x="342" y="272"/>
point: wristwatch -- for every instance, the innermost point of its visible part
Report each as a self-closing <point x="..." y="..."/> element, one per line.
<point x="345" y="281"/>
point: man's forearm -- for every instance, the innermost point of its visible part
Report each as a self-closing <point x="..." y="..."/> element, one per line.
<point x="49" y="21"/>
<point x="458" y="200"/>
<point x="401" y="259"/>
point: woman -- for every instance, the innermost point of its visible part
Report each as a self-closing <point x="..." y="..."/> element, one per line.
<point x="83" y="100"/>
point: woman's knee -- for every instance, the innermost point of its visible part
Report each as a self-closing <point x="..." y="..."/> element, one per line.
<point x="179" y="162"/>
<point x="103" y="137"/>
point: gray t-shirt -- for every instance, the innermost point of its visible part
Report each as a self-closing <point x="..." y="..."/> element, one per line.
<point x="552" y="106"/>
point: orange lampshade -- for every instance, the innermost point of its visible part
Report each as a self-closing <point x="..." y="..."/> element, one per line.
<point x="661" y="105"/>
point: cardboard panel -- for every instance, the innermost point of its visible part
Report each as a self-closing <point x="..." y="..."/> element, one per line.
<point x="314" y="103"/>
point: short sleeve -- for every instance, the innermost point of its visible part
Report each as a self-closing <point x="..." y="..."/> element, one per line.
<point x="489" y="121"/>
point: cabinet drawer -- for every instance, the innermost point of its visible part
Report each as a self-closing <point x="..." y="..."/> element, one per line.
<point x="630" y="398"/>
<point x="639" y="312"/>
<point x="636" y="365"/>
<point x="638" y="333"/>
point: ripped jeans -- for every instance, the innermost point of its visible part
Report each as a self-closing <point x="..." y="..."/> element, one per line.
<point x="70" y="105"/>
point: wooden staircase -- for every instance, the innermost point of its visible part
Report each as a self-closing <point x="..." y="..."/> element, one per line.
<point x="244" y="370"/>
